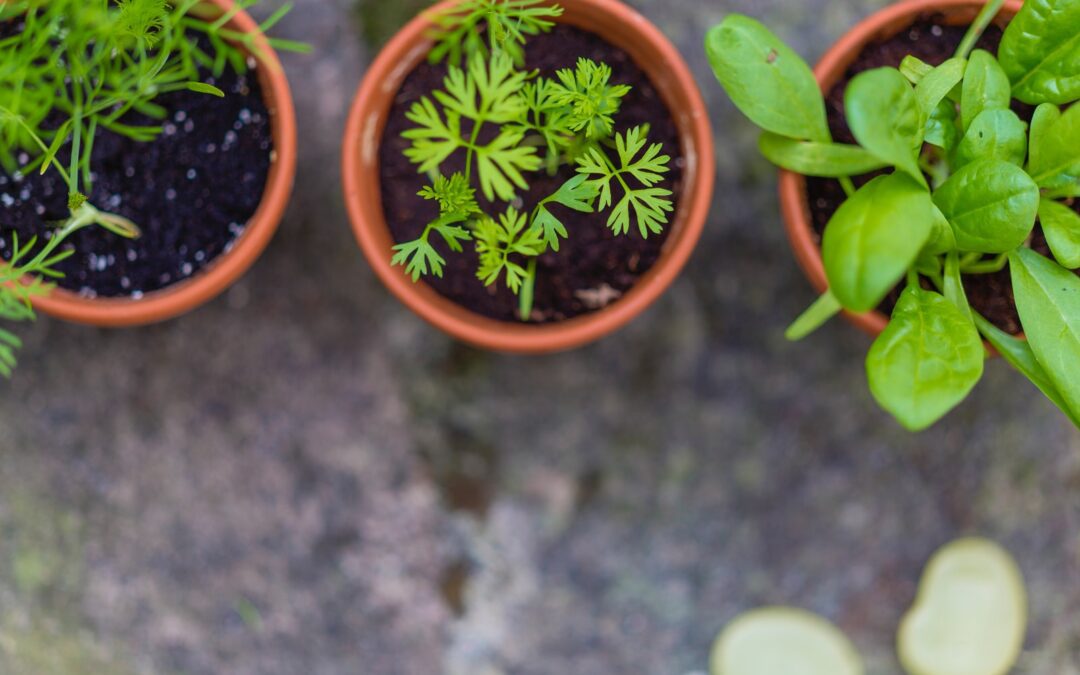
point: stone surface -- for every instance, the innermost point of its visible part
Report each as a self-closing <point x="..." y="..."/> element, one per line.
<point x="304" y="478"/>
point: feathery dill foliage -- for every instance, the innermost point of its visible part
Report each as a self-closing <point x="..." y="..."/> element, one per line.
<point x="74" y="68"/>
<point x="534" y="124"/>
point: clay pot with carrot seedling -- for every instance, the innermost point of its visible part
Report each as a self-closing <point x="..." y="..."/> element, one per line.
<point x="528" y="176"/>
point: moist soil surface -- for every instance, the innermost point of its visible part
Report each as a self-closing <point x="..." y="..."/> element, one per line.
<point x="933" y="41"/>
<point x="593" y="267"/>
<point x="191" y="191"/>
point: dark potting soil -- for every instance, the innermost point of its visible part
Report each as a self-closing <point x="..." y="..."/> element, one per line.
<point x="593" y="267"/>
<point x="934" y="42"/>
<point x="191" y="191"/>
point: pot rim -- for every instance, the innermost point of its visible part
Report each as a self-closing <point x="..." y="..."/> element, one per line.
<point x="228" y="267"/>
<point x="832" y="67"/>
<point x="668" y="72"/>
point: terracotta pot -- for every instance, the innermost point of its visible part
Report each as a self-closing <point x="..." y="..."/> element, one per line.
<point x="621" y="26"/>
<point x="881" y="26"/>
<point x="189" y="294"/>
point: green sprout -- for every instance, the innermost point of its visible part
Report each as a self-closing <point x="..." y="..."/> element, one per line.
<point x="77" y="68"/>
<point x="967" y="181"/>
<point x="571" y="118"/>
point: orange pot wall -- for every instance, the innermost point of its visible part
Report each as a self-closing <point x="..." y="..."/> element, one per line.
<point x="229" y="267"/>
<point x="619" y="25"/>
<point x="883" y="25"/>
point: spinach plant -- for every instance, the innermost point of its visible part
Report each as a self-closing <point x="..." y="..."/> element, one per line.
<point x="963" y="181"/>
<point x="72" y="69"/>
<point x="510" y="122"/>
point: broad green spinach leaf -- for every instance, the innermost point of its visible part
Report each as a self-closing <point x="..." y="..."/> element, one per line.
<point x="936" y="85"/>
<point x="942" y="238"/>
<point x="1042" y="121"/>
<point x="1040" y="52"/>
<point x="1055" y="145"/>
<point x="1018" y="353"/>
<point x="986" y="87"/>
<point x="810" y="158"/>
<point x="927" y="361"/>
<point x="994" y="134"/>
<point x="1061" y="225"/>
<point x="991" y="205"/>
<point x="1048" y="299"/>
<point x="884" y="116"/>
<point x="941" y="129"/>
<point x="873" y="239"/>
<point x="768" y="82"/>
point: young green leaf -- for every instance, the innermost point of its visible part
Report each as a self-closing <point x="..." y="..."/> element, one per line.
<point x="986" y="87"/>
<point x="648" y="206"/>
<point x="578" y="194"/>
<point x="885" y="118"/>
<point x="592" y="100"/>
<point x="873" y="239"/>
<point x="823" y="309"/>
<point x="1042" y="123"/>
<point x="419" y="256"/>
<point x="991" y="205"/>
<point x="202" y="88"/>
<point x="810" y="158"/>
<point x="9" y="344"/>
<point x="1055" y="145"/>
<point x="994" y="134"/>
<point x="506" y="27"/>
<point x="941" y="127"/>
<point x="914" y="69"/>
<point x="767" y="81"/>
<point x="433" y="140"/>
<point x="548" y="118"/>
<point x="926" y="361"/>
<point x="551" y="228"/>
<point x="502" y="162"/>
<point x="1019" y="354"/>
<point x="1040" y="52"/>
<point x="488" y="91"/>
<point x="501" y="245"/>
<point x="942" y="238"/>
<point x="936" y="85"/>
<point x="1061" y="225"/>
<point x="1048" y="299"/>
<point x="453" y="194"/>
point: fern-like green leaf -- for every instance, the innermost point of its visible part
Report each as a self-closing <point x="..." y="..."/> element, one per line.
<point x="454" y="195"/>
<point x="499" y="243"/>
<point x="501" y="163"/>
<point x="507" y="25"/>
<point x="419" y="256"/>
<point x="648" y="206"/>
<point x="488" y="91"/>
<point x="578" y="194"/>
<point x="434" y="139"/>
<point x="548" y="118"/>
<point x="590" y="97"/>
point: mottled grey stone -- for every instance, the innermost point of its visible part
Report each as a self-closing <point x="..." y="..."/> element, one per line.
<point x="302" y="477"/>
